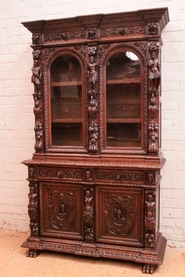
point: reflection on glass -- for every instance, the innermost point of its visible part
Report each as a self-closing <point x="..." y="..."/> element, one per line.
<point x="66" y="101"/>
<point x="123" y="96"/>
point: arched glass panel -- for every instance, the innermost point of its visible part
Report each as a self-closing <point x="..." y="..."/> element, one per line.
<point x="123" y="96"/>
<point x="66" y="101"/>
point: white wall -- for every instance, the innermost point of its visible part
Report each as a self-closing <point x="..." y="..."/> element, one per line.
<point x="16" y="104"/>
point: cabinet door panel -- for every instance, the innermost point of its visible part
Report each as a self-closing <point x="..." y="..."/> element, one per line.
<point x="61" y="210"/>
<point x="119" y="215"/>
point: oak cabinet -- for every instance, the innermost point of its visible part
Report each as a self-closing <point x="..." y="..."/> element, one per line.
<point x="95" y="175"/>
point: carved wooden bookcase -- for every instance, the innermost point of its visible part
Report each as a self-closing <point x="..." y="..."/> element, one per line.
<point x="95" y="175"/>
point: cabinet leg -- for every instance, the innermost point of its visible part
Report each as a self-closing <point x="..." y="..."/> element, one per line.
<point x="148" y="269"/>
<point x="32" y="253"/>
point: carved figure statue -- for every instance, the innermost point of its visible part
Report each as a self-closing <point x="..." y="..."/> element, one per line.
<point x="92" y="73"/>
<point x="154" y="74"/>
<point x="36" y="76"/>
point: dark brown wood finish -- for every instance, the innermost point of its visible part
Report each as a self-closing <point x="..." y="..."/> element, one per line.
<point x="95" y="175"/>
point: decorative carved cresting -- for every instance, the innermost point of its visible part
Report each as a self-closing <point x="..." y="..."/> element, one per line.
<point x="150" y="219"/>
<point x="62" y="210"/>
<point x="37" y="96"/>
<point x="119" y="214"/>
<point x="92" y="76"/>
<point x="33" y="208"/>
<point x="88" y="213"/>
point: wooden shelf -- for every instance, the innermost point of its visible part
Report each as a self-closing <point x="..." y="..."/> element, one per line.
<point x="124" y="120"/>
<point x="64" y="84"/>
<point x="67" y="120"/>
<point x="136" y="80"/>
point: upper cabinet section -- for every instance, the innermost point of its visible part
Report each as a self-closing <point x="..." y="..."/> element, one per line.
<point x="97" y="84"/>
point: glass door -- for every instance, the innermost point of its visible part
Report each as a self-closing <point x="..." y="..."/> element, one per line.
<point x="123" y="98"/>
<point x="66" y="102"/>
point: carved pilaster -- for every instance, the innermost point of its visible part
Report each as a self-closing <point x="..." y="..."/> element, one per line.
<point x="154" y="81"/>
<point x="92" y="76"/>
<point x="150" y="219"/>
<point x="33" y="208"/>
<point x="37" y="96"/>
<point x="88" y="214"/>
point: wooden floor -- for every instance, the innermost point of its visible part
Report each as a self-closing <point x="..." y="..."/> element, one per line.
<point x="14" y="263"/>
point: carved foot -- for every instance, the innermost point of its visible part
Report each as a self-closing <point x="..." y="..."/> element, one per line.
<point x="32" y="253"/>
<point x="149" y="269"/>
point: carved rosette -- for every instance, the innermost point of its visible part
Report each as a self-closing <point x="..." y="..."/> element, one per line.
<point x="88" y="214"/>
<point x="92" y="77"/>
<point x="37" y="96"/>
<point x="33" y="208"/>
<point x="150" y="219"/>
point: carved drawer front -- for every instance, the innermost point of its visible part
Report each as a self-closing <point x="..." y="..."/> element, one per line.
<point x="61" y="210"/>
<point x="119" y="176"/>
<point x="75" y="174"/>
<point x="119" y="216"/>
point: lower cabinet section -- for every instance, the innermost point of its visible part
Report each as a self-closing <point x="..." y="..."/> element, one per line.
<point x="96" y="212"/>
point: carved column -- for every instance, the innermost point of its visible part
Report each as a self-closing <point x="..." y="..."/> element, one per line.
<point x="37" y="96"/>
<point x="88" y="213"/>
<point x="33" y="202"/>
<point x="150" y="218"/>
<point x="92" y="76"/>
<point x="154" y="92"/>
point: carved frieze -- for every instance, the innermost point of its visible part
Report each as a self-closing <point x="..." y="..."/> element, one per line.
<point x="61" y="173"/>
<point x="123" y="31"/>
<point x="64" y="36"/>
<point x="119" y="176"/>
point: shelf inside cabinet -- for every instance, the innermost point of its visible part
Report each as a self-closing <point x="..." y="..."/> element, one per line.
<point x="67" y="120"/>
<point x="123" y="120"/>
<point x="136" y="80"/>
<point x="67" y="83"/>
